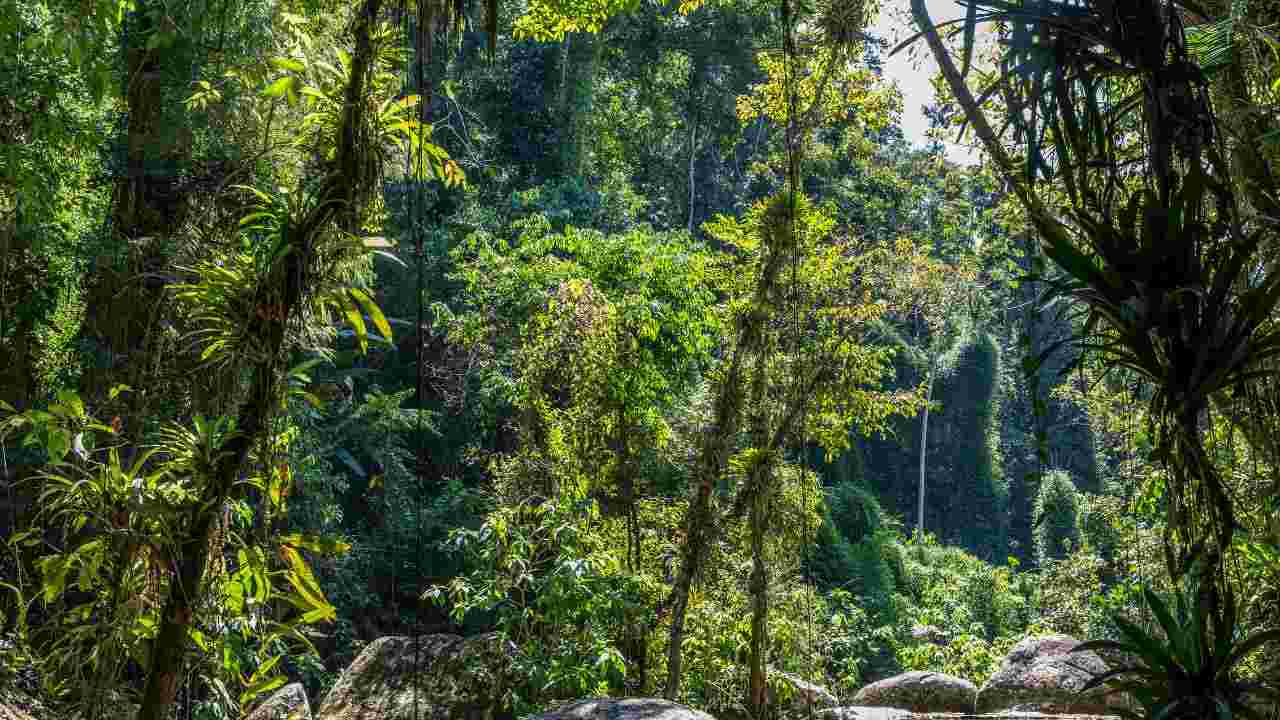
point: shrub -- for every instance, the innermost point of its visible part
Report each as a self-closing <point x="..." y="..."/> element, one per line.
<point x="1055" y="516"/>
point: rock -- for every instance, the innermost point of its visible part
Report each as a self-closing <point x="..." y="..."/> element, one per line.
<point x="920" y="691"/>
<point x="804" y="695"/>
<point x="287" y="703"/>
<point x="863" y="713"/>
<point x="458" y="679"/>
<point x="1041" y="674"/>
<point x="929" y="634"/>
<point x="15" y="705"/>
<point x="624" y="709"/>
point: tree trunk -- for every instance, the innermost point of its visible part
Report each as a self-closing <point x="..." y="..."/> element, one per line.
<point x="713" y="457"/>
<point x="924" y="444"/>
<point x="759" y="598"/>
<point x="569" y="92"/>
<point x="337" y="192"/>
<point x="122" y="305"/>
<point x="18" y="384"/>
<point x="716" y="442"/>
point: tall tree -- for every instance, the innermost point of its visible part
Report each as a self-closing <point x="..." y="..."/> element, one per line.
<point x="1172" y="267"/>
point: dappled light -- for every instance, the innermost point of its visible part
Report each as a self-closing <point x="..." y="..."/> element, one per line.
<point x="586" y="359"/>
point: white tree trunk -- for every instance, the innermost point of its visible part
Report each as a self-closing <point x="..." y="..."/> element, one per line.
<point x="924" y="439"/>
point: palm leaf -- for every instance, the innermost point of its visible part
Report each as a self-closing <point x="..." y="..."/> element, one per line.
<point x="1145" y="646"/>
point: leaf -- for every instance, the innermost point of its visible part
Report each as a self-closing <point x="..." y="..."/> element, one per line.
<point x="302" y="580"/>
<point x="279" y="87"/>
<point x="58" y="445"/>
<point x="352" y="313"/>
<point x="391" y="257"/>
<point x="265" y="668"/>
<point x="72" y="401"/>
<point x="374" y="312"/>
<point x="323" y="544"/>
<point x="289" y="64"/>
<point x="304" y="366"/>
<point x="1251" y="644"/>
<point x="260" y="687"/>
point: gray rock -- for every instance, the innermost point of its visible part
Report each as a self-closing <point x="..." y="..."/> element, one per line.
<point x="804" y="695"/>
<point x="458" y="679"/>
<point x="854" y="712"/>
<point x="1041" y="674"/>
<point x="929" y="634"/>
<point x="920" y="691"/>
<point x="608" y="708"/>
<point x="287" y="703"/>
<point x="15" y="705"/>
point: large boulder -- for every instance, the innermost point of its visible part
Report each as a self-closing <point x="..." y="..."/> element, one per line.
<point x="864" y="713"/>
<point x="920" y="691"/>
<point x="287" y="703"/>
<point x="458" y="679"/>
<point x="609" y="708"/>
<point x="1041" y="674"/>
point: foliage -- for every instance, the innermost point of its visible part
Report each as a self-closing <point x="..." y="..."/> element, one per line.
<point x="1166" y="265"/>
<point x="120" y="517"/>
<point x="1056" y="517"/>
<point x="982" y="610"/>
<point x="556" y="591"/>
<point x="1191" y="672"/>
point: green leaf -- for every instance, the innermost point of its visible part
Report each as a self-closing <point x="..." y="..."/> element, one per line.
<point x="322" y="544"/>
<point x="374" y="312"/>
<point x="201" y="641"/>
<point x="71" y="400"/>
<point x="54" y="576"/>
<point x="288" y="64"/>
<point x="278" y="87"/>
<point x="1251" y="644"/>
<point x="300" y="577"/>
<point x="260" y="687"/>
<point x="352" y="313"/>
<point x="391" y="257"/>
<point x="58" y="445"/>
<point x="265" y="668"/>
<point x="1145" y="646"/>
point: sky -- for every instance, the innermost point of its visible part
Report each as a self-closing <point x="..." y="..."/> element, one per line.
<point x="912" y="75"/>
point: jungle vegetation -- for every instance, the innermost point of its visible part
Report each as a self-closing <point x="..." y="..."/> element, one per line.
<point x="640" y="334"/>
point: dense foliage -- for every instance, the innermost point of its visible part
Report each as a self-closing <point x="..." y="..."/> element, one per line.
<point x="639" y="335"/>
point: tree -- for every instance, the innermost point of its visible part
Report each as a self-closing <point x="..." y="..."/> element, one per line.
<point x="1170" y="267"/>
<point x="1057" y="531"/>
<point x="784" y="381"/>
<point x="250" y="309"/>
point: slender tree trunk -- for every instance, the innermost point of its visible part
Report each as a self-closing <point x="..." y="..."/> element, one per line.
<point x="924" y="444"/>
<point x="123" y="306"/>
<point x="17" y="376"/>
<point x="569" y="94"/>
<point x="337" y="193"/>
<point x="716" y="443"/>
<point x="758" y="482"/>
<point x="713" y="457"/>
<point x="693" y="156"/>
<point x="759" y="585"/>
